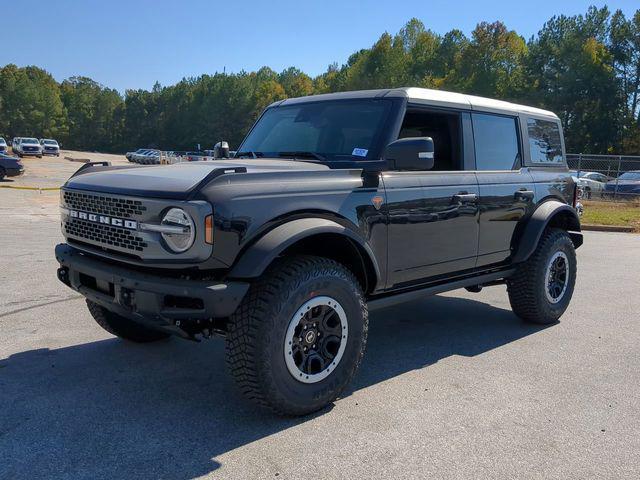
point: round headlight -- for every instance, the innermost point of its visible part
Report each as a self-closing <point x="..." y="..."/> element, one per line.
<point x="184" y="232"/>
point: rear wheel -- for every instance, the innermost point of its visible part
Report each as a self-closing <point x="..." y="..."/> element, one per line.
<point x="542" y="287"/>
<point x="123" y="327"/>
<point x="3" y="173"/>
<point x="298" y="338"/>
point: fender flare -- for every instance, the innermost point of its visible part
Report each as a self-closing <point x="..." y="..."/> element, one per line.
<point x="255" y="260"/>
<point x="539" y="220"/>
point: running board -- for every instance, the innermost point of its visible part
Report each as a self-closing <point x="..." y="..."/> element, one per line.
<point x="395" y="299"/>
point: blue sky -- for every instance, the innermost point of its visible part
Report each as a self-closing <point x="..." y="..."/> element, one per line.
<point x="131" y="44"/>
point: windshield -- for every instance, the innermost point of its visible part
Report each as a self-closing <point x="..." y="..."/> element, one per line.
<point x="630" y="176"/>
<point x="329" y="130"/>
<point x="29" y="140"/>
<point x="50" y="142"/>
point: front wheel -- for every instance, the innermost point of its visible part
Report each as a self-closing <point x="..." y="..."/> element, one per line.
<point x="299" y="335"/>
<point x="542" y="287"/>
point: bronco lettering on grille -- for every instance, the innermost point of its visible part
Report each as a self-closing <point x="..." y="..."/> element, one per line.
<point x="104" y="219"/>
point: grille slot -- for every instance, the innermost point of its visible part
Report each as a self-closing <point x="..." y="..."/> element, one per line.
<point x="111" y="206"/>
<point x="105" y="234"/>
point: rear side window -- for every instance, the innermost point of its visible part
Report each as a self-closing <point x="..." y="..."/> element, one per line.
<point x="544" y="141"/>
<point x="496" y="142"/>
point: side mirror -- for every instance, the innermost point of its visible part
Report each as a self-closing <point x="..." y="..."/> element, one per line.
<point x="221" y="150"/>
<point x="413" y="153"/>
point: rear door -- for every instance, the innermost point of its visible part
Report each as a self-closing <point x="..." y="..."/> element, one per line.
<point x="507" y="190"/>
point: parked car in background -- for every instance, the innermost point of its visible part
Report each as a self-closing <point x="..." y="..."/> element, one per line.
<point x="10" y="166"/>
<point x="28" y="146"/>
<point x="139" y="155"/>
<point x="591" y="183"/>
<point x="149" y="157"/>
<point x="130" y="155"/>
<point x="197" y="156"/>
<point x="50" y="147"/>
<point x="3" y="145"/>
<point x="14" y="144"/>
<point x="625" y="187"/>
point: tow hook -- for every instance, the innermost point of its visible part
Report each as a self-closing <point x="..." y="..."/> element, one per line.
<point x="126" y="297"/>
<point x="63" y="275"/>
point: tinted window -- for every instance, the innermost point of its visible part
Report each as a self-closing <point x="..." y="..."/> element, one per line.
<point x="444" y="130"/>
<point x="496" y="141"/>
<point x="630" y="176"/>
<point x="544" y="141"/>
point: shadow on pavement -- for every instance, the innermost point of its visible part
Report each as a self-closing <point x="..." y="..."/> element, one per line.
<point x="113" y="409"/>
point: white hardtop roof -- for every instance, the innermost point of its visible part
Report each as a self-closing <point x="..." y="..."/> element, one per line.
<point x="430" y="97"/>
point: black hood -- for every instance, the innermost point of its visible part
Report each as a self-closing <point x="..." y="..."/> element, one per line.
<point x="177" y="181"/>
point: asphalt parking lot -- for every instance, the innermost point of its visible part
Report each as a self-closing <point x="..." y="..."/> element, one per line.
<point x="453" y="386"/>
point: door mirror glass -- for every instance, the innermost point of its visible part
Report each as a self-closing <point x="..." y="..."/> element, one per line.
<point x="412" y="153"/>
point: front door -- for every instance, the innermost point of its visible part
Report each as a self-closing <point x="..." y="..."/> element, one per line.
<point x="433" y="225"/>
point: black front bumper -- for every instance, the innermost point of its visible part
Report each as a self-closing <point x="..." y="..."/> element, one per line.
<point x="14" y="172"/>
<point x="156" y="301"/>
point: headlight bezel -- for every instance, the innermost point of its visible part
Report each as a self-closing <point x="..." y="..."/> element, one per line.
<point x="189" y="224"/>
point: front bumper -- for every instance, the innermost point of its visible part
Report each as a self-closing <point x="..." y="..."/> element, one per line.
<point x="14" y="172"/>
<point x="156" y="301"/>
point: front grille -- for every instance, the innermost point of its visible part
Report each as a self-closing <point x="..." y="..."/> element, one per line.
<point x="106" y="235"/>
<point x="113" y="207"/>
<point x="30" y="149"/>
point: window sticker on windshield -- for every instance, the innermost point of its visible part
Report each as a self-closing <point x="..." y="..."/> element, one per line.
<point x="359" y="152"/>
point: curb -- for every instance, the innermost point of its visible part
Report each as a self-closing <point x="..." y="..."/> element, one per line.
<point x="39" y="189"/>
<point x="608" y="228"/>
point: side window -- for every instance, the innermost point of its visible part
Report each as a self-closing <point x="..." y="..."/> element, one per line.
<point x="444" y="128"/>
<point x="544" y="141"/>
<point x="496" y="141"/>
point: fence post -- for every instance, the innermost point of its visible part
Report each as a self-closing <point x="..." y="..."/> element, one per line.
<point x="615" y="192"/>
<point x="579" y="164"/>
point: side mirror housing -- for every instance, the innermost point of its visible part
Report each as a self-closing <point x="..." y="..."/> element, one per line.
<point x="412" y="153"/>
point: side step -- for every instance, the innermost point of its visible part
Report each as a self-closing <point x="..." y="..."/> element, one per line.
<point x="377" y="303"/>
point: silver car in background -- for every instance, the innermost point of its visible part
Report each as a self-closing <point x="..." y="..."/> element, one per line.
<point x="50" y="147"/>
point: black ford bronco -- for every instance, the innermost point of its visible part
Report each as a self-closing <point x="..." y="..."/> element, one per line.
<point x="332" y="206"/>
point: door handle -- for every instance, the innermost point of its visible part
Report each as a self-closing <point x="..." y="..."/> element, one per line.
<point x="465" y="198"/>
<point x="525" y="195"/>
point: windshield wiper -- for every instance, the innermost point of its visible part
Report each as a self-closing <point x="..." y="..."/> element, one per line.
<point x="249" y="153"/>
<point x="302" y="154"/>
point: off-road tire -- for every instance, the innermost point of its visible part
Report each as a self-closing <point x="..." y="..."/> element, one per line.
<point x="123" y="327"/>
<point x="257" y="330"/>
<point x="527" y="286"/>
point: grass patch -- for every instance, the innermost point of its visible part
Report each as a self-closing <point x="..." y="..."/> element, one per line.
<point x="612" y="213"/>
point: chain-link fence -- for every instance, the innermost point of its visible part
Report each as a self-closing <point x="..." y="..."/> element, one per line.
<point x="607" y="177"/>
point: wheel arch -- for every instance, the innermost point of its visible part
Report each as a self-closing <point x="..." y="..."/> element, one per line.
<point x="551" y="213"/>
<point x="311" y="236"/>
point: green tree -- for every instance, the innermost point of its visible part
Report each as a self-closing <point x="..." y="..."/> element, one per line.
<point x="30" y="102"/>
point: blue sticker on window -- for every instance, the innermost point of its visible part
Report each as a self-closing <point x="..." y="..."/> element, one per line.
<point x="359" y="152"/>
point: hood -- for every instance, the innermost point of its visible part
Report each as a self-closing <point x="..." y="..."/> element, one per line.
<point x="176" y="181"/>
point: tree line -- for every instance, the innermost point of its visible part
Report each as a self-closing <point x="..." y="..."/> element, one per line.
<point x="586" y="68"/>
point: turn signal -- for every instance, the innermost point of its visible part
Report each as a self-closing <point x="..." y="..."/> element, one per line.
<point x="208" y="229"/>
